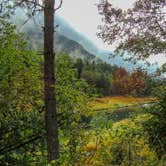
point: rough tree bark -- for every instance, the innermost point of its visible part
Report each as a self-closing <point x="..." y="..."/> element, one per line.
<point x="49" y="82"/>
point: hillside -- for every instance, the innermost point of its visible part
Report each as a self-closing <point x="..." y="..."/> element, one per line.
<point x="67" y="39"/>
<point x="61" y="44"/>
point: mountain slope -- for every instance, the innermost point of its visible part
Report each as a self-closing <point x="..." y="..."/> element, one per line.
<point x="67" y="39"/>
<point x="62" y="43"/>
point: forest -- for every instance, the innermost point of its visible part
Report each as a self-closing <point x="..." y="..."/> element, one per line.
<point x="59" y="110"/>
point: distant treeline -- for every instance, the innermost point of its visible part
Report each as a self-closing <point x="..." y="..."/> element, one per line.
<point x="106" y="79"/>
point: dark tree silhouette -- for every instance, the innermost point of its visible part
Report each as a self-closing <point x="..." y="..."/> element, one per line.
<point x="49" y="82"/>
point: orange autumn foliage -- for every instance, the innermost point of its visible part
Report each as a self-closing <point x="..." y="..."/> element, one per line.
<point x="129" y="83"/>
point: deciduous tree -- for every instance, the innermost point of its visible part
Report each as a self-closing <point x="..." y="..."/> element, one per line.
<point x="141" y="31"/>
<point x="32" y="7"/>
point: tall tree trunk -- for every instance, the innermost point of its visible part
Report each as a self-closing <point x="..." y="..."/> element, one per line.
<point x="49" y="82"/>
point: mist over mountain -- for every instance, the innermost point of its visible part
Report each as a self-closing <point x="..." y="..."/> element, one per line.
<point x="68" y="31"/>
<point x="62" y="43"/>
<point x="67" y="39"/>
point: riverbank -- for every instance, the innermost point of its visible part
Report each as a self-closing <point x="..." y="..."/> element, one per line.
<point x="117" y="102"/>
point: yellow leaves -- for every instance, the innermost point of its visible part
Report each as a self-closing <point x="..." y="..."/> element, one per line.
<point x="143" y="117"/>
<point x="38" y="153"/>
<point x="108" y="102"/>
<point x="91" y="146"/>
<point x="125" y="139"/>
<point x="146" y="153"/>
<point x="21" y="104"/>
<point x="66" y="142"/>
<point x="123" y="125"/>
<point x="93" y="143"/>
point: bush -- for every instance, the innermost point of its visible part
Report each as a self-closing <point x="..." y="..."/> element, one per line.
<point x="156" y="125"/>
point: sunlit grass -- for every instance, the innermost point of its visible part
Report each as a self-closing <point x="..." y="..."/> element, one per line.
<point x="118" y="101"/>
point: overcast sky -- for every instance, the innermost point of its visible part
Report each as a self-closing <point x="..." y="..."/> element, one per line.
<point x="83" y="16"/>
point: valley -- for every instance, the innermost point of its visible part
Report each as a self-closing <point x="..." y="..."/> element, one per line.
<point x="77" y="83"/>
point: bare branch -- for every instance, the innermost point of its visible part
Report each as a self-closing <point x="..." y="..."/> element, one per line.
<point x="30" y="139"/>
<point x="59" y="6"/>
<point x="34" y="2"/>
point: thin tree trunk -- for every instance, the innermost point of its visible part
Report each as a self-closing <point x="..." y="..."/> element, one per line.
<point x="49" y="82"/>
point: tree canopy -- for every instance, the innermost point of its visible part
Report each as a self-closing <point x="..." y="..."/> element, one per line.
<point x="141" y="31"/>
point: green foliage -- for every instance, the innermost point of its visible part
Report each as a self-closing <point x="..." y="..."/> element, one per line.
<point x="72" y="98"/>
<point x="155" y="126"/>
<point x="107" y="80"/>
<point x="79" y="65"/>
<point x="22" y="139"/>
<point x="122" y="143"/>
<point x="19" y="70"/>
<point x="71" y="93"/>
<point x="98" y="75"/>
<point x="20" y="98"/>
<point x="101" y="121"/>
<point x="102" y="142"/>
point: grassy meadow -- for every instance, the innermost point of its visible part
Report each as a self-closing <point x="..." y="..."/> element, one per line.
<point x="118" y="101"/>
